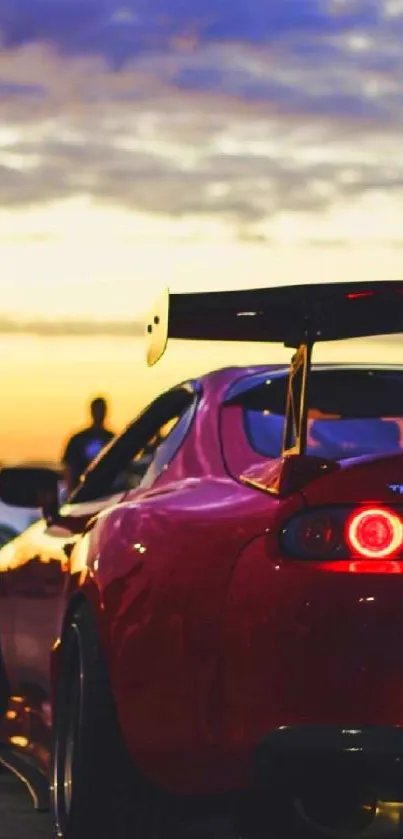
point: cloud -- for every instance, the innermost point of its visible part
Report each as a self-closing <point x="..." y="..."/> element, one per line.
<point x="247" y="187"/>
<point x="120" y="31"/>
<point x="239" y="112"/>
<point x="13" y="89"/>
<point x="72" y="328"/>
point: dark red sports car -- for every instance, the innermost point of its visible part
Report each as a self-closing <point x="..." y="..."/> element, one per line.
<point x="210" y="632"/>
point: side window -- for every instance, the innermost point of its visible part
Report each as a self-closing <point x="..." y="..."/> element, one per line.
<point x="149" y="463"/>
<point x="170" y="442"/>
<point x="137" y="467"/>
<point x="143" y="451"/>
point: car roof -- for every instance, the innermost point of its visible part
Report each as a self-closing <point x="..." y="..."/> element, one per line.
<point x="233" y="381"/>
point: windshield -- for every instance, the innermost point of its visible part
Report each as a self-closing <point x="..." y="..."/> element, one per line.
<point x="353" y="413"/>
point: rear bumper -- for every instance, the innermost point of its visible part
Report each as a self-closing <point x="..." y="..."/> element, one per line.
<point x="376" y="740"/>
<point x="369" y="759"/>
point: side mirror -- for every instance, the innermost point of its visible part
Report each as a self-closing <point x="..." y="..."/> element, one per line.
<point x="157" y="328"/>
<point x="32" y="487"/>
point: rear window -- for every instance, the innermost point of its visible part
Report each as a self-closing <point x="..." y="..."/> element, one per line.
<point x="352" y="413"/>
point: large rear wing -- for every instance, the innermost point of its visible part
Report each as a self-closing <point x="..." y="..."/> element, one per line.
<point x="288" y="315"/>
<point x="297" y="316"/>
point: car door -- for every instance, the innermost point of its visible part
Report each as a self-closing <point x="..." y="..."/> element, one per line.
<point x="37" y="565"/>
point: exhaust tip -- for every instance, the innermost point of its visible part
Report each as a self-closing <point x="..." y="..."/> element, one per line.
<point x="329" y="783"/>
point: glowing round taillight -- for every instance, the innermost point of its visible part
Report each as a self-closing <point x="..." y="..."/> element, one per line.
<point x="375" y="533"/>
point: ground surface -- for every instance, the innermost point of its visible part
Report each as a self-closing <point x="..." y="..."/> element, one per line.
<point x="18" y="819"/>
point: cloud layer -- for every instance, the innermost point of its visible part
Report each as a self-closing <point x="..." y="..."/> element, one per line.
<point x="123" y="30"/>
<point x="238" y="112"/>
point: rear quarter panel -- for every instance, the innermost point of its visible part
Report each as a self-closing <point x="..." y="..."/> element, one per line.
<point x="161" y="567"/>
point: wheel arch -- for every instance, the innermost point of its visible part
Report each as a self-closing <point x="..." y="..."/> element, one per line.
<point x="77" y="600"/>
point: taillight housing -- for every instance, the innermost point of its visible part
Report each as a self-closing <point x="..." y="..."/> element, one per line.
<point x="328" y="534"/>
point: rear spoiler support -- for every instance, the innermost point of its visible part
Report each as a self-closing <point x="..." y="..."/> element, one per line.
<point x="296" y="409"/>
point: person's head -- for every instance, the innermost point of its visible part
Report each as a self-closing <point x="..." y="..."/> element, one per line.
<point x="98" y="410"/>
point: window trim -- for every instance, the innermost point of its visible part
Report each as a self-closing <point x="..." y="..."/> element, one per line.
<point x="180" y="431"/>
<point x="93" y="475"/>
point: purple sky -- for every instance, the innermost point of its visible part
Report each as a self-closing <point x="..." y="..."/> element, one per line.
<point x="238" y="111"/>
<point x="120" y="31"/>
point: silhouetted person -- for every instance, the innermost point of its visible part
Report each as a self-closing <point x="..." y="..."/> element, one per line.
<point x="84" y="446"/>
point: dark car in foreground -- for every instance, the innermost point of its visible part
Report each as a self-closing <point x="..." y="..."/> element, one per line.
<point x="209" y="631"/>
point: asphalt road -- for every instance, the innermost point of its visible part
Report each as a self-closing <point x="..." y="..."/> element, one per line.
<point x="18" y="819"/>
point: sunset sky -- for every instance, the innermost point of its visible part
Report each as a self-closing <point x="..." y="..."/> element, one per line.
<point x="200" y="144"/>
<point x="196" y="144"/>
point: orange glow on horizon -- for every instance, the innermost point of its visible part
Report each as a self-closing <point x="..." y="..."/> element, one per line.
<point x="47" y="382"/>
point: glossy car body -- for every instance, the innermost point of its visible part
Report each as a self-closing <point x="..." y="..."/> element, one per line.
<point x="198" y="611"/>
<point x="232" y="606"/>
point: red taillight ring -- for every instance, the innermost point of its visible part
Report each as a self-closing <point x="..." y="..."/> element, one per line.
<point x="364" y="528"/>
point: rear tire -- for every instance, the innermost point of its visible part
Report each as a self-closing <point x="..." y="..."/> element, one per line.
<point x="95" y="790"/>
